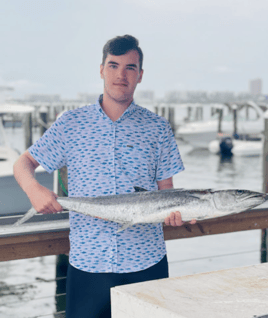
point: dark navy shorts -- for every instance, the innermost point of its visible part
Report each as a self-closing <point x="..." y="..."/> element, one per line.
<point x="88" y="294"/>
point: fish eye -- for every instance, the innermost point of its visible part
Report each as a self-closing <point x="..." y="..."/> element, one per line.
<point x="239" y="192"/>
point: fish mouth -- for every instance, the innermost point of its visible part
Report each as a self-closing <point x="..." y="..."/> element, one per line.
<point x="256" y="196"/>
<point x="247" y="195"/>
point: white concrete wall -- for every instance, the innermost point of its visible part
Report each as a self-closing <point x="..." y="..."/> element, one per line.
<point x="234" y="293"/>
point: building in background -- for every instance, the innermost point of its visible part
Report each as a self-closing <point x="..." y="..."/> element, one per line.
<point x="144" y="97"/>
<point x="255" y="87"/>
<point x="88" y="98"/>
<point x="45" y="98"/>
<point x="213" y="96"/>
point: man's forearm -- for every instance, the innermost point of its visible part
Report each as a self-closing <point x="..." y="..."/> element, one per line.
<point x="24" y="169"/>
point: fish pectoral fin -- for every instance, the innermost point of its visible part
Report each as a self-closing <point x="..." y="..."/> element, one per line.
<point x="139" y="189"/>
<point x="123" y="227"/>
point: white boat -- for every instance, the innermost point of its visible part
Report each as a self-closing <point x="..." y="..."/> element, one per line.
<point x="247" y="148"/>
<point x="243" y="148"/>
<point x="12" y="199"/>
<point x="200" y="134"/>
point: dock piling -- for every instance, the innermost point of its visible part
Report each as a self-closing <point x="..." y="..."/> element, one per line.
<point x="171" y="118"/>
<point x="43" y="115"/>
<point x="28" y="123"/>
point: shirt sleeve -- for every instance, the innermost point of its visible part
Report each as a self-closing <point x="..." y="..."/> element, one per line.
<point x="50" y="150"/>
<point x="169" y="159"/>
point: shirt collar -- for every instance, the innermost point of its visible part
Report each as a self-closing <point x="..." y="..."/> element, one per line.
<point x="128" y="112"/>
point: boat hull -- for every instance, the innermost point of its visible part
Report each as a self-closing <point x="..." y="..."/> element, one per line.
<point x="13" y="200"/>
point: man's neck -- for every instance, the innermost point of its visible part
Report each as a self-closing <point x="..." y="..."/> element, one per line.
<point x="114" y="109"/>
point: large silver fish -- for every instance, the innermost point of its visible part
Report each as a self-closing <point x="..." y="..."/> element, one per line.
<point x="152" y="207"/>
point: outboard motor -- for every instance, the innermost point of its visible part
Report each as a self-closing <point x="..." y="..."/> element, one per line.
<point x="226" y="146"/>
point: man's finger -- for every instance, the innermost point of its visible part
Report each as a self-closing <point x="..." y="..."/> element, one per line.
<point x="172" y="219"/>
<point x="178" y="220"/>
<point x="167" y="220"/>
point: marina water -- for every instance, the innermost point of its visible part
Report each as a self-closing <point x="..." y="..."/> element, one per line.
<point x="186" y="256"/>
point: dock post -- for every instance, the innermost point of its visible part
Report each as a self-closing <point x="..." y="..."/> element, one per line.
<point x="264" y="233"/>
<point x="28" y="123"/>
<point x="43" y="115"/>
<point x="220" y="111"/>
<point x="189" y="113"/>
<point x="171" y="118"/>
<point x="235" y="119"/>
<point x="163" y="111"/>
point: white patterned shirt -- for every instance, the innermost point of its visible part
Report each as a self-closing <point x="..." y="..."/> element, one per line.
<point x="105" y="158"/>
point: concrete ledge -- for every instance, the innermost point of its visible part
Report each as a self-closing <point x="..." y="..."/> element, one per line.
<point x="239" y="292"/>
<point x="126" y="305"/>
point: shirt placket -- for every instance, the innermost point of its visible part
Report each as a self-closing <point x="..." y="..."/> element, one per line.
<point x="113" y="180"/>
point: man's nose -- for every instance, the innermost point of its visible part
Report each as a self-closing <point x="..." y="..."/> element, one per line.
<point x="121" y="73"/>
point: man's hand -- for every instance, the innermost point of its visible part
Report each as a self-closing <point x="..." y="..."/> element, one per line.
<point x="43" y="200"/>
<point x="174" y="219"/>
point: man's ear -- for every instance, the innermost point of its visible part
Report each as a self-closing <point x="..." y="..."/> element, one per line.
<point x="140" y="76"/>
<point x="101" y="71"/>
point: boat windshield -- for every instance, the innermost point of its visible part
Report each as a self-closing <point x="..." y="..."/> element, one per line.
<point x="240" y="116"/>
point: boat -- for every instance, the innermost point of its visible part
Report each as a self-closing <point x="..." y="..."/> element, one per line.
<point x="250" y="121"/>
<point x="12" y="198"/>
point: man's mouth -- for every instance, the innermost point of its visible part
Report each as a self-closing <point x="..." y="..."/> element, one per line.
<point x="121" y="84"/>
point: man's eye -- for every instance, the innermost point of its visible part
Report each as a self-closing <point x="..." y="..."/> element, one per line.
<point x="131" y="68"/>
<point x="113" y="66"/>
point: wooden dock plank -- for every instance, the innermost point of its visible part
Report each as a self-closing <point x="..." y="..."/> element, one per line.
<point x="33" y="245"/>
<point x="244" y="221"/>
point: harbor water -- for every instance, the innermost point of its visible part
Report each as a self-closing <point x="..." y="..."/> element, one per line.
<point x="186" y="256"/>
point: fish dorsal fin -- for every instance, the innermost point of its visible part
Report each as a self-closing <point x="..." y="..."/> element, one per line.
<point x="139" y="189"/>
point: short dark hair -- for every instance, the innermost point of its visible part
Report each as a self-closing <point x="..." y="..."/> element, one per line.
<point x="121" y="45"/>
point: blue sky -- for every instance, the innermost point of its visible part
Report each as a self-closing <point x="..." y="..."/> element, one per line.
<point x="55" y="46"/>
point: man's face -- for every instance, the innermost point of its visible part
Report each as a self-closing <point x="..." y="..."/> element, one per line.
<point x="121" y="75"/>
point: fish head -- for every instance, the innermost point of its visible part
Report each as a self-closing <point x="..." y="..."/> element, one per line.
<point x="236" y="201"/>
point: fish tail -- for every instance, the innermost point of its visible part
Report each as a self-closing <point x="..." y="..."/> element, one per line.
<point x="26" y="217"/>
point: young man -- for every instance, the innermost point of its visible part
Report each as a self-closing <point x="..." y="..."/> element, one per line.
<point x="109" y="148"/>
